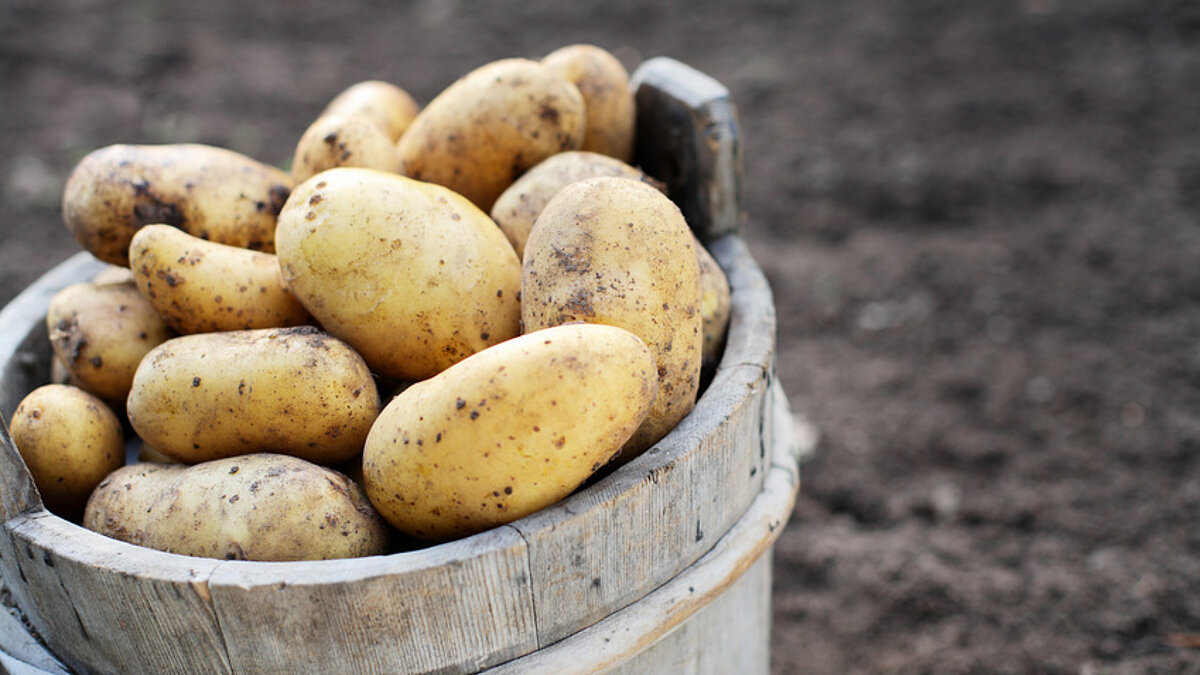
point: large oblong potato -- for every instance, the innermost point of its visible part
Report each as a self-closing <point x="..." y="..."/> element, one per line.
<point x="255" y="507"/>
<point x="200" y="286"/>
<point x="490" y="126"/>
<point x="604" y="84"/>
<point x="343" y="140"/>
<point x="412" y="275"/>
<point x="507" y="431"/>
<point x="100" y="332"/>
<point x="518" y="206"/>
<point x="295" y="391"/>
<point x="388" y="106"/>
<point x="209" y="192"/>
<point x="70" y="440"/>
<point x="617" y="251"/>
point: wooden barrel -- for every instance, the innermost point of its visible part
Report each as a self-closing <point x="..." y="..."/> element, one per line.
<point x="661" y="566"/>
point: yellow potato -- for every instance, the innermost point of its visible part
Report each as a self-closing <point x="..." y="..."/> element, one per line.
<point x="604" y="84"/>
<point x="389" y="107"/>
<point x="295" y="391"/>
<point x="616" y="251"/>
<point x="486" y="129"/>
<point x="101" y="332"/>
<point x="209" y="192"/>
<point x="517" y="207"/>
<point x="256" y="507"/>
<point x="412" y="275"/>
<point x="70" y="440"/>
<point x="507" y="431"/>
<point x="339" y="140"/>
<point x="715" y="305"/>
<point x="200" y="286"/>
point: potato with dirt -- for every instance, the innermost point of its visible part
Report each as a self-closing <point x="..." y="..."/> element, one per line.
<point x="489" y="127"/>
<point x="343" y="140"/>
<point x="70" y="440"/>
<point x="604" y="84"/>
<point x="384" y="104"/>
<point x="255" y="507"/>
<point x="100" y="332"/>
<point x="412" y="275"/>
<point x="208" y="192"/>
<point x="296" y="391"/>
<point x="508" y="431"/>
<point x="617" y="251"/>
<point x="200" y="286"/>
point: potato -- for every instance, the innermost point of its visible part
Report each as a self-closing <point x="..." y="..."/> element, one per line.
<point x="70" y="440"/>
<point x="604" y="84"/>
<point x="209" y="192"/>
<point x="295" y="391"/>
<point x="486" y="129"/>
<point x="518" y="206"/>
<point x="412" y="275"/>
<point x="389" y="107"/>
<point x="616" y="251"/>
<point x="101" y="332"/>
<point x="200" y="286"/>
<point x="339" y="140"/>
<point x="507" y="431"/>
<point x="715" y="306"/>
<point x="256" y="507"/>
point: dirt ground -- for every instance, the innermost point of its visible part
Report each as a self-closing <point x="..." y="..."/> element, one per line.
<point x="981" y="221"/>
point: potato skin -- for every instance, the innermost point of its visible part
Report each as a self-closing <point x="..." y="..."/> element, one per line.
<point x="255" y="507"/>
<point x="507" y="431"/>
<point x="618" y="252"/>
<point x="200" y="286"/>
<point x="295" y="391"/>
<point x="489" y="127"/>
<point x="517" y="207"/>
<point x="610" y="105"/>
<point x="340" y="140"/>
<point x="101" y="332"/>
<point x="715" y="306"/>
<point x="388" y="106"/>
<point x="209" y="192"/>
<point x="70" y="440"/>
<point x="410" y="274"/>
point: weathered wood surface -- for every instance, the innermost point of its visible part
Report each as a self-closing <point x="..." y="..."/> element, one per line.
<point x="688" y="137"/>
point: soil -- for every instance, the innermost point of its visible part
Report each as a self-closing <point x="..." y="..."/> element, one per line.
<point x="981" y="222"/>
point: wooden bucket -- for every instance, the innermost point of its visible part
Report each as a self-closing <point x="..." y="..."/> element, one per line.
<point x="661" y="566"/>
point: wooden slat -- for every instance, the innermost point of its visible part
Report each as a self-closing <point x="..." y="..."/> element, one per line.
<point x="455" y="608"/>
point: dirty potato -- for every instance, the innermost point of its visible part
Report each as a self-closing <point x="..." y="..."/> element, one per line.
<point x="604" y="84"/>
<point x="255" y="507"/>
<point x="209" y="192"/>
<point x="486" y="129"/>
<point x="70" y="440"/>
<point x="616" y="251"/>
<point x="199" y="286"/>
<point x="517" y="207"/>
<point x="388" y="106"/>
<point x="100" y="332"/>
<point x="340" y="140"/>
<point x="715" y="305"/>
<point x="296" y="391"/>
<point x="412" y="275"/>
<point x="507" y="431"/>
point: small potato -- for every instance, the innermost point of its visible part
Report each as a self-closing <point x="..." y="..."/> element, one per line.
<point x="255" y="507"/>
<point x="507" y="431"/>
<point x="200" y="286"/>
<point x="715" y="306"/>
<point x="486" y="129"/>
<point x="208" y="192"/>
<point x="618" y="252"/>
<point x="389" y="107"/>
<point x="517" y="208"/>
<point x="412" y="275"/>
<point x="70" y="440"/>
<point x="101" y="332"/>
<point x="295" y="391"/>
<point x="338" y="140"/>
<point x="604" y="84"/>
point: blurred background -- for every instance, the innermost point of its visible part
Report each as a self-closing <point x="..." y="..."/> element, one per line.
<point x="981" y="222"/>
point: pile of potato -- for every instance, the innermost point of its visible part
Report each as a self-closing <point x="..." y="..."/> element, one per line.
<point x="530" y="306"/>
